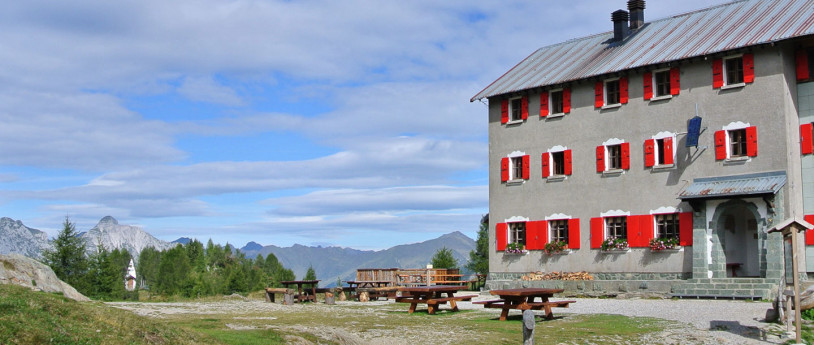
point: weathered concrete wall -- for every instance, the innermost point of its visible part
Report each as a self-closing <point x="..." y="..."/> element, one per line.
<point x="586" y="193"/>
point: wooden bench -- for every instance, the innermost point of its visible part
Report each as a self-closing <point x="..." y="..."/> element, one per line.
<point x="376" y="292"/>
<point x="432" y="303"/>
<point x="271" y="291"/>
<point x="546" y="306"/>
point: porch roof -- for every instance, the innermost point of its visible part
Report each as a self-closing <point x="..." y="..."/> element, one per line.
<point x="726" y="186"/>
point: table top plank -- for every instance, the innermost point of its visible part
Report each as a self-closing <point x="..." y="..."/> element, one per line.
<point x="525" y="292"/>
<point x="431" y="289"/>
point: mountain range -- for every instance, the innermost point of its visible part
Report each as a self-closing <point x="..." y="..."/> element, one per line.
<point x="332" y="263"/>
<point x="329" y="263"/>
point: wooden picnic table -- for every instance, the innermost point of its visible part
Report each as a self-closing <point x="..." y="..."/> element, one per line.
<point x="523" y="299"/>
<point x="432" y="296"/>
<point x="303" y="294"/>
<point x="367" y="283"/>
<point x="373" y="288"/>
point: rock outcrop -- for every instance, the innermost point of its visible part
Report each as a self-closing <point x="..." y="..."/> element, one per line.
<point x="16" y="238"/>
<point x="110" y="234"/>
<point x="24" y="271"/>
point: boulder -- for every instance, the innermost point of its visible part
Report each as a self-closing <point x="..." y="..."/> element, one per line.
<point x="24" y="271"/>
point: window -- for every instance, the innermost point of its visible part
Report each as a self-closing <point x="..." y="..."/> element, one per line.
<point x="667" y="226"/>
<point x="611" y="92"/>
<point x="736" y="141"/>
<point x="662" y="83"/>
<point x="556" y="162"/>
<point x="558" y="230"/>
<point x="616" y="227"/>
<point x="660" y="150"/>
<point x="515" y="167"/>
<point x="733" y="70"/>
<point x="804" y="63"/>
<point x="514" y="110"/>
<point x="517" y="233"/>
<point x="613" y="155"/>
<point x="555" y="102"/>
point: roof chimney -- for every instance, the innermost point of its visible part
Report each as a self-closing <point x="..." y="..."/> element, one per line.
<point x="620" y="29"/>
<point x="636" y="8"/>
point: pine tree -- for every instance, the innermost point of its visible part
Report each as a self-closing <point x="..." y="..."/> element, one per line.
<point x="443" y="258"/>
<point x="68" y="257"/>
<point x="479" y="258"/>
<point x="310" y="274"/>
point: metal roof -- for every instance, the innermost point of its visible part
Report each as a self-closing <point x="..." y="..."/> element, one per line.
<point x="726" y="186"/>
<point x="712" y="30"/>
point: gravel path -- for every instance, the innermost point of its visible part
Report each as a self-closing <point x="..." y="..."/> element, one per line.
<point x="707" y="321"/>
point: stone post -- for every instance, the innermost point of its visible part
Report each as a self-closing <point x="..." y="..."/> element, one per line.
<point x="528" y="327"/>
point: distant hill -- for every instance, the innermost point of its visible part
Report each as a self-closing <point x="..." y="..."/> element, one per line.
<point x="331" y="263"/>
<point x="182" y="240"/>
<point x="16" y="238"/>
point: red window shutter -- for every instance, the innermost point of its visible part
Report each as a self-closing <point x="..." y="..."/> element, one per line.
<point x="524" y="108"/>
<point x="573" y="233"/>
<point x="536" y="235"/>
<point x="807" y="138"/>
<point x="675" y="81"/>
<point x="810" y="232"/>
<point x="599" y="98"/>
<point x="751" y="141"/>
<point x="801" y="57"/>
<point x="634" y="231"/>
<point x="625" y="156"/>
<point x="720" y="145"/>
<point x="685" y="229"/>
<point x="526" y="167"/>
<point x="646" y="223"/>
<point x="623" y="90"/>
<point x="648" y="85"/>
<point x="501" y="232"/>
<point x="600" y="158"/>
<point x="748" y="68"/>
<point x="567" y="162"/>
<point x="597" y="232"/>
<point x="504" y="111"/>
<point x="717" y="73"/>
<point x="544" y="104"/>
<point x="546" y="166"/>
<point x="668" y="151"/>
<point x="504" y="169"/>
<point x="649" y="152"/>
<point x="566" y="101"/>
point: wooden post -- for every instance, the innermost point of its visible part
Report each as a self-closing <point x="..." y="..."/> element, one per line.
<point x="796" y="286"/>
<point x="528" y="327"/>
<point x="329" y="298"/>
<point x="288" y="299"/>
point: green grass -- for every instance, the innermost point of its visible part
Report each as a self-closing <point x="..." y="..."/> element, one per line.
<point x="28" y="317"/>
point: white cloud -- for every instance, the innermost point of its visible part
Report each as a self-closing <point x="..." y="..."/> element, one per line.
<point x="205" y="89"/>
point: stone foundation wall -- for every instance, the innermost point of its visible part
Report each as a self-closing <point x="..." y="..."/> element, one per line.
<point x="605" y="284"/>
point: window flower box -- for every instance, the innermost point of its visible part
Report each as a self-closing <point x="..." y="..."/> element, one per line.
<point x="557" y="247"/>
<point x="516" y="249"/>
<point x="614" y="245"/>
<point x="669" y="244"/>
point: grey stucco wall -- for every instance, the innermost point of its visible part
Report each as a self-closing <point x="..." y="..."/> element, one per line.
<point x="767" y="103"/>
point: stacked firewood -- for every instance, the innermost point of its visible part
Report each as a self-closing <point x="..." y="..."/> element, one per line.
<point x="558" y="276"/>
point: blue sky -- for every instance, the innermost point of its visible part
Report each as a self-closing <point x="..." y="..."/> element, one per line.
<point x="316" y="122"/>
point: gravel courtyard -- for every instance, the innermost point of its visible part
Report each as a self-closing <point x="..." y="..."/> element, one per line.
<point x="700" y="321"/>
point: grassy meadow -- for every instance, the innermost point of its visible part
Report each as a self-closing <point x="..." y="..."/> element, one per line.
<point x="28" y="317"/>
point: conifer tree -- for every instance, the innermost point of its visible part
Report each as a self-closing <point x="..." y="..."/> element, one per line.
<point x="68" y="259"/>
<point x="479" y="258"/>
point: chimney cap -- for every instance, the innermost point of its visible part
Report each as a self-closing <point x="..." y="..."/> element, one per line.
<point x="620" y="16"/>
<point x="635" y="5"/>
